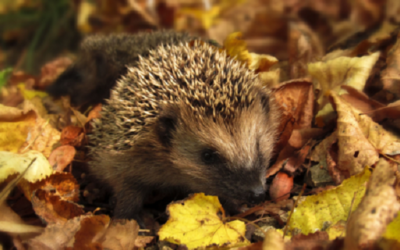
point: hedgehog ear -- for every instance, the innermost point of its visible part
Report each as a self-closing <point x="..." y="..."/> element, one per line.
<point x="167" y="121"/>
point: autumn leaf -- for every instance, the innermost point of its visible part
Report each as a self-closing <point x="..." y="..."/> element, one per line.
<point x="11" y="163"/>
<point x="29" y="94"/>
<point x="329" y="207"/>
<point x="24" y="129"/>
<point x="360" y="139"/>
<point x="14" y="127"/>
<point x="393" y="229"/>
<point x="4" y="75"/>
<point x="196" y="222"/>
<point x="376" y="210"/>
<point x="330" y="75"/>
<point x="262" y="64"/>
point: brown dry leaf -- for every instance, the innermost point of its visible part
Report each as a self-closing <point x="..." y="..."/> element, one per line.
<point x="317" y="240"/>
<point x="10" y="222"/>
<point x="77" y="233"/>
<point x="391" y="111"/>
<point x="367" y="13"/>
<point x="377" y="209"/>
<point x="393" y="10"/>
<point x="360" y="140"/>
<point x="72" y="135"/>
<point x="304" y="47"/>
<point x="355" y="150"/>
<point x="362" y="102"/>
<point x="326" y="153"/>
<point x="332" y="74"/>
<point x="383" y="141"/>
<point x="94" y="113"/>
<point x="142" y="241"/>
<point x="91" y="232"/>
<point x="122" y="234"/>
<point x="391" y="75"/>
<point x="92" y="229"/>
<point x="61" y="184"/>
<point x="61" y="157"/>
<point x="273" y="240"/>
<point x="42" y="136"/>
<point x="51" y="70"/>
<point x="52" y="208"/>
<point x="296" y="100"/>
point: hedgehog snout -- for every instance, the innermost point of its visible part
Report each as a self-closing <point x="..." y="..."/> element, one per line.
<point x="256" y="194"/>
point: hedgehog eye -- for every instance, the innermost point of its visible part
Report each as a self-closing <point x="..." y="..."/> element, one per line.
<point x="210" y="156"/>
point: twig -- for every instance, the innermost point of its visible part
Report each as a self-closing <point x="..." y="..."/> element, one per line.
<point x="291" y="212"/>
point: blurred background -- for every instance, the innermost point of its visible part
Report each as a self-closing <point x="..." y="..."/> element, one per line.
<point x="33" y="32"/>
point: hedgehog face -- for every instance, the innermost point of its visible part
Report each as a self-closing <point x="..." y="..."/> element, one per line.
<point x="223" y="157"/>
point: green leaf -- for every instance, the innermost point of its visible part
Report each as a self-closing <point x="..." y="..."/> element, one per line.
<point x="4" y="75"/>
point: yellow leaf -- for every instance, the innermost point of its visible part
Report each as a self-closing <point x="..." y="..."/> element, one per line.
<point x="29" y="94"/>
<point x="261" y="64"/>
<point x="329" y="207"/>
<point x="11" y="163"/>
<point x="86" y="9"/>
<point x="197" y="222"/>
<point x="235" y="46"/>
<point x="14" y="127"/>
<point x="336" y="231"/>
<point x="207" y="17"/>
<point x="22" y="129"/>
<point x="330" y="75"/>
<point x="393" y="229"/>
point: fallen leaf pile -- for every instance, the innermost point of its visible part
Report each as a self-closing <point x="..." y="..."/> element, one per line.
<point x="334" y="182"/>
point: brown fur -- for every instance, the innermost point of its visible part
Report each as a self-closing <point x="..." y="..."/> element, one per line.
<point x="186" y="117"/>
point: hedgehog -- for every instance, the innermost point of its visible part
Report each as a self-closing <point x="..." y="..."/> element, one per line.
<point x="185" y="116"/>
<point x="102" y="60"/>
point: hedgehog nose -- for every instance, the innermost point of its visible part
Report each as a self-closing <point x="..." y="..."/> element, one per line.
<point x="257" y="195"/>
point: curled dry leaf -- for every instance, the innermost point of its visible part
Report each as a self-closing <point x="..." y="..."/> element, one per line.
<point x="261" y="64"/>
<point x="51" y="70"/>
<point x="296" y="99"/>
<point x="330" y="75"/>
<point x="362" y="102"/>
<point x="42" y="136"/>
<point x="360" y="139"/>
<point x="61" y="184"/>
<point x="72" y="135"/>
<point x="304" y="47"/>
<point x="61" y="157"/>
<point x="355" y="150"/>
<point x="52" y="208"/>
<point x="122" y="234"/>
<point x="376" y="210"/>
<point x="94" y="113"/>
<point x="391" y="75"/>
<point x="91" y="232"/>
<point x="62" y="235"/>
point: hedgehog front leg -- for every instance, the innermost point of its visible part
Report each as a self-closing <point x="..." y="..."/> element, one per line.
<point x="130" y="202"/>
